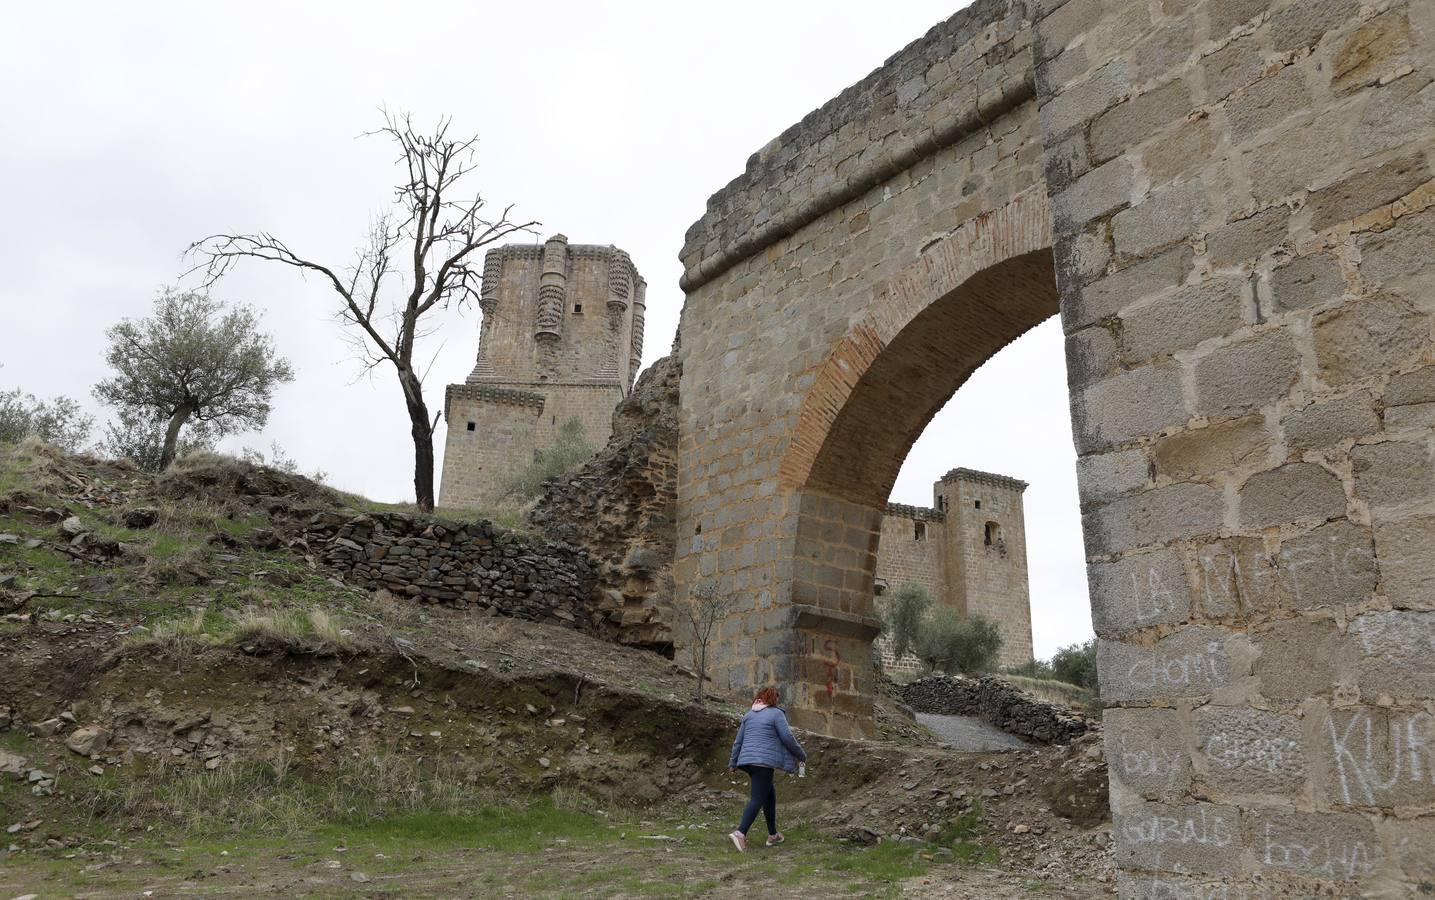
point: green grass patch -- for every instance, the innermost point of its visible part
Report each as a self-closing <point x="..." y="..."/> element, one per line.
<point x="963" y="834"/>
<point x="16" y="741"/>
<point x="493" y="828"/>
<point x="240" y="528"/>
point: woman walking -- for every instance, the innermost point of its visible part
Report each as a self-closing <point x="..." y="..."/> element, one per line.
<point x="764" y="744"/>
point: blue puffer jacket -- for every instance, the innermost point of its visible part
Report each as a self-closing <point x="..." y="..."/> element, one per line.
<point x="763" y="739"/>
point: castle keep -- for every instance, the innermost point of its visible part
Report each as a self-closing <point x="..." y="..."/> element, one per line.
<point x="561" y="339"/>
<point x="968" y="551"/>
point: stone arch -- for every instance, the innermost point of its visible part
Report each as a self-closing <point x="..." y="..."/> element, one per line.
<point x="927" y="329"/>
<point x="1251" y="361"/>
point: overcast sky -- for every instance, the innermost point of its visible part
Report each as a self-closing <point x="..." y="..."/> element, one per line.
<point x="130" y="130"/>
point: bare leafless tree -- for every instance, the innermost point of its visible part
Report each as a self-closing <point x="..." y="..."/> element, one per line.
<point x="699" y="616"/>
<point x="420" y="255"/>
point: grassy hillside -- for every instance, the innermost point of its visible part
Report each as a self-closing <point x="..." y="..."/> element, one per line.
<point x="193" y="703"/>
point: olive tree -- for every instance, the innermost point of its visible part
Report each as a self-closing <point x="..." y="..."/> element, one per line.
<point x="902" y="617"/>
<point x="420" y="255"/>
<point x="193" y="360"/>
<point x="138" y="435"/>
<point x="953" y="643"/>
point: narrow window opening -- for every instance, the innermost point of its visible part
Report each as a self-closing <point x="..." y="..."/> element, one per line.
<point x="578" y="308"/>
<point x="472" y="426"/>
<point x="920" y="532"/>
<point x="979" y="504"/>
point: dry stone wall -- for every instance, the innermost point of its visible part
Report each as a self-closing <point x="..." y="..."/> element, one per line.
<point x="998" y="702"/>
<point x="475" y="565"/>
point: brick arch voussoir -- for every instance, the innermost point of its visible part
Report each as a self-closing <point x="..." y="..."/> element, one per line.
<point x="1021" y="226"/>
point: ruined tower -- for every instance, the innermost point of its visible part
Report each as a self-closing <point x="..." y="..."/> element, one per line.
<point x="968" y="551"/>
<point x="561" y="339"/>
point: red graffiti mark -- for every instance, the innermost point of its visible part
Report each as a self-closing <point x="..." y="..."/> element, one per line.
<point x="831" y="647"/>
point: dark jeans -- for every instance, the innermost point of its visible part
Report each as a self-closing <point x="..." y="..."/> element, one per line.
<point x="764" y="797"/>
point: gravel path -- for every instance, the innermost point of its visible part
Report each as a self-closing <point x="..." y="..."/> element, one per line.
<point x="969" y="733"/>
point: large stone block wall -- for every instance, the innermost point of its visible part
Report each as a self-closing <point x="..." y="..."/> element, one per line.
<point x="902" y="558"/>
<point x="1246" y="250"/>
<point x="1241" y="213"/>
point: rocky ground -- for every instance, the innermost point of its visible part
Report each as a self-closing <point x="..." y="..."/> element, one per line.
<point x="969" y="733"/>
<point x="193" y="705"/>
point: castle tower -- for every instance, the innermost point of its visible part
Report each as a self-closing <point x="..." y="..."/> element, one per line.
<point x="561" y="339"/>
<point x="984" y="554"/>
<point x="968" y="551"/>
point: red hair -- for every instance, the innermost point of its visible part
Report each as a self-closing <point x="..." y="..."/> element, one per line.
<point x="767" y="695"/>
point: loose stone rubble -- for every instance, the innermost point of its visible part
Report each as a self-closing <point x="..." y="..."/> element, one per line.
<point x="619" y="507"/>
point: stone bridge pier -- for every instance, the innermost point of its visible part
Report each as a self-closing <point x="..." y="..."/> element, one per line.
<point x="1230" y="204"/>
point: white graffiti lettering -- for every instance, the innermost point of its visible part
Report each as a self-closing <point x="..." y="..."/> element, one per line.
<point x="1203" y="828"/>
<point x="1369" y="766"/>
<point x="1201" y="667"/>
<point x="1270" y="754"/>
<point x="1326" y="856"/>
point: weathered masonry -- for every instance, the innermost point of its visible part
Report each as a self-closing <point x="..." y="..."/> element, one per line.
<point x="1230" y="203"/>
<point x="561" y="339"/>
<point x="968" y="550"/>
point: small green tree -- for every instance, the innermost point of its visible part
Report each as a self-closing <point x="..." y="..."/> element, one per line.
<point x="59" y="421"/>
<point x="1076" y="664"/>
<point x="903" y="616"/>
<point x="569" y="451"/>
<point x="193" y="360"/>
<point x="698" y="617"/>
<point x="951" y="643"/>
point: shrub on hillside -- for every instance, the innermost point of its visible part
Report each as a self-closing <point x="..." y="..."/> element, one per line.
<point x="1073" y="664"/>
<point x="1076" y="664"/>
<point x="59" y="421"/>
<point x="569" y="451"/>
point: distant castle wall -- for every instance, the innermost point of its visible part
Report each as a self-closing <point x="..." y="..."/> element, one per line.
<point x="561" y="339"/>
<point x="968" y="551"/>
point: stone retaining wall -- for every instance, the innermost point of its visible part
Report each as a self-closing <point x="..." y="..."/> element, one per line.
<point x="462" y="564"/>
<point x="1002" y="704"/>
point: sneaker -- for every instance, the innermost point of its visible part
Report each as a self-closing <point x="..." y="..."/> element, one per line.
<point x="739" y="840"/>
<point x="775" y="839"/>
